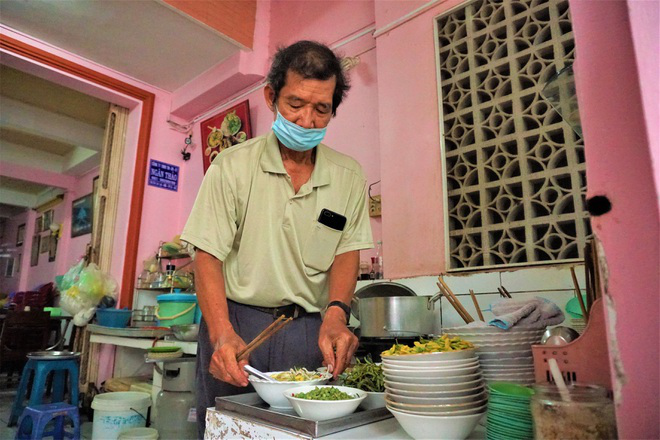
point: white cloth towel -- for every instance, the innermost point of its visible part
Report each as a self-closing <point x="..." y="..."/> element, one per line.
<point x="535" y="313"/>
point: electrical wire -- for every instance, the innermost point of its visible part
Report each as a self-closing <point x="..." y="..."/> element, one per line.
<point x="369" y="190"/>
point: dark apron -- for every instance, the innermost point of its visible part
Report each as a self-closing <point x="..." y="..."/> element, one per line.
<point x="295" y="345"/>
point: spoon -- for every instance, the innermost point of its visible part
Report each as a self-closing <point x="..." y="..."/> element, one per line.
<point x="258" y="373"/>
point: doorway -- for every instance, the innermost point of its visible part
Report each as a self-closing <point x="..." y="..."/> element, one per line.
<point x="140" y="103"/>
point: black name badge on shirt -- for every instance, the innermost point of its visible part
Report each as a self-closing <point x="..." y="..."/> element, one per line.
<point x="332" y="220"/>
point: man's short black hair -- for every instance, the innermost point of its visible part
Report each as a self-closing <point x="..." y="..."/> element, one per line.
<point x="311" y="60"/>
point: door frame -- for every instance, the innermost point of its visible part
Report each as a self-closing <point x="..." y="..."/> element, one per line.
<point x="142" y="150"/>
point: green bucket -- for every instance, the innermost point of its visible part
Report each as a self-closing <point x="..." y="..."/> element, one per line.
<point x="176" y="309"/>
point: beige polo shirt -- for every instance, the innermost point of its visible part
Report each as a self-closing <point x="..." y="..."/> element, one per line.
<point x="274" y="251"/>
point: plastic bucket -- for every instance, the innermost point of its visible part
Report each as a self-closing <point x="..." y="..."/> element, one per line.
<point x="176" y="309"/>
<point x="139" y="434"/>
<point x="117" y="318"/>
<point x="117" y="412"/>
<point x="198" y="315"/>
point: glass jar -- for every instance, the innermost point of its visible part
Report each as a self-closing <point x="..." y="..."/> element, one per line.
<point x="588" y="415"/>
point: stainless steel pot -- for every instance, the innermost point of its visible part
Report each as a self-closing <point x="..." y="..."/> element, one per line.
<point x="395" y="316"/>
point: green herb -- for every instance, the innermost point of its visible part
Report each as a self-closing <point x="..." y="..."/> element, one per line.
<point x="325" y="393"/>
<point x="365" y="375"/>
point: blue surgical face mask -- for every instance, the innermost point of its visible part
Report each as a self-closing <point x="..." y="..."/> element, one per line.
<point x="296" y="137"/>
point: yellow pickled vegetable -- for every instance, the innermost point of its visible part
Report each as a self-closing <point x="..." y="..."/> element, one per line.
<point x="443" y="343"/>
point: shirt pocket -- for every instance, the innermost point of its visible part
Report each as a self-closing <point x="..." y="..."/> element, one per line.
<point x="319" y="251"/>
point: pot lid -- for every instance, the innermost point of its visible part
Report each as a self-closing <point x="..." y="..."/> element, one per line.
<point x="384" y="289"/>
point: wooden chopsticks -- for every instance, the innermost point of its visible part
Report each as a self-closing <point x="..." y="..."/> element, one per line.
<point x="503" y="292"/>
<point x="263" y="336"/>
<point x="446" y="291"/>
<point x="476" y="305"/>
<point x="585" y="313"/>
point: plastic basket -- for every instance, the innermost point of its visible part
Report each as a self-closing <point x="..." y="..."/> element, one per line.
<point x="584" y="360"/>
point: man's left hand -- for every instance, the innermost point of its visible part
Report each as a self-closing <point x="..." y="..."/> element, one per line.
<point x="336" y="342"/>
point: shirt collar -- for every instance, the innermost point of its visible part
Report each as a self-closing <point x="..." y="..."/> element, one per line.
<point x="271" y="161"/>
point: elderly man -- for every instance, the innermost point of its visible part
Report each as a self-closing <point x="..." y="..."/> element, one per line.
<point x="277" y="227"/>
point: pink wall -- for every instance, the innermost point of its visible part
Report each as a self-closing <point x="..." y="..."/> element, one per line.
<point x="413" y="233"/>
<point x="620" y="161"/>
<point x="644" y="17"/>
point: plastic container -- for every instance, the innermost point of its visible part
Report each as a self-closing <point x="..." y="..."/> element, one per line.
<point x="176" y="309"/>
<point x="588" y="415"/>
<point x="174" y="411"/>
<point x="117" y="318"/>
<point x="139" y="434"/>
<point x="117" y="412"/>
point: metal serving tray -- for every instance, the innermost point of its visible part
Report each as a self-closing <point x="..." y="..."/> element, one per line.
<point x="250" y="405"/>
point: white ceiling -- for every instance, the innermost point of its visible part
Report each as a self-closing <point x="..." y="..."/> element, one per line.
<point x="144" y="39"/>
<point x="52" y="128"/>
<point x="45" y="128"/>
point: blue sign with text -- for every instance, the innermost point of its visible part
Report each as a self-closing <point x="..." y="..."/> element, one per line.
<point x="163" y="175"/>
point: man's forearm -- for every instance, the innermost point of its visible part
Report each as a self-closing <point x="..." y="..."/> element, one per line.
<point x="343" y="278"/>
<point x="211" y="294"/>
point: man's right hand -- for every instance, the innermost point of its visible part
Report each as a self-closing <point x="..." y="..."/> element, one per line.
<point x="223" y="363"/>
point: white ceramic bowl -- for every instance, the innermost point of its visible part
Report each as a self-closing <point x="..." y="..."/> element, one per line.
<point x="526" y="361"/>
<point x="437" y="400"/>
<point x="391" y="361"/>
<point x="498" y="348"/>
<point x="508" y="369"/>
<point x="272" y="392"/>
<point x="504" y="354"/>
<point x="457" y="386"/>
<point x="437" y="427"/>
<point x="373" y="400"/>
<point x="439" y="356"/>
<point x="421" y="379"/>
<point x="448" y="408"/>
<point x="324" y="409"/>
<point x="431" y="372"/>
<point x="456" y="393"/>
<point x="436" y="365"/>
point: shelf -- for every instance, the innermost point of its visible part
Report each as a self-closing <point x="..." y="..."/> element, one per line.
<point x="142" y="343"/>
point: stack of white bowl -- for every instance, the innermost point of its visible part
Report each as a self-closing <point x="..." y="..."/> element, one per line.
<point x="435" y="395"/>
<point x="505" y="355"/>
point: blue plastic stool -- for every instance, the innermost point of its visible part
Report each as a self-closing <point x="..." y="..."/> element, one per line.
<point x="41" y="367"/>
<point x="33" y="422"/>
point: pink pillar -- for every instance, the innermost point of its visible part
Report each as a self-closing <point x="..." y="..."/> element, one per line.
<point x="620" y="166"/>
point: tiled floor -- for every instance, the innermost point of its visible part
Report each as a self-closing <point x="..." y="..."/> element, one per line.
<point x="7" y="396"/>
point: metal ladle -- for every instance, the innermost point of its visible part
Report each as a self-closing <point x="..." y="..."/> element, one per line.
<point x="258" y="373"/>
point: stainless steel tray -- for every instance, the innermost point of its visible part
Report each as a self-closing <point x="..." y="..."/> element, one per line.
<point x="250" y="405"/>
<point x="128" y="332"/>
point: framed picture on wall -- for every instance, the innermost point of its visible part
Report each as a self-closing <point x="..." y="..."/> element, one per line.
<point x="81" y="216"/>
<point x="52" y="248"/>
<point x="34" y="255"/>
<point x="225" y="129"/>
<point x="20" y="235"/>
<point x="48" y="219"/>
<point x="19" y="260"/>
<point x="38" y="224"/>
